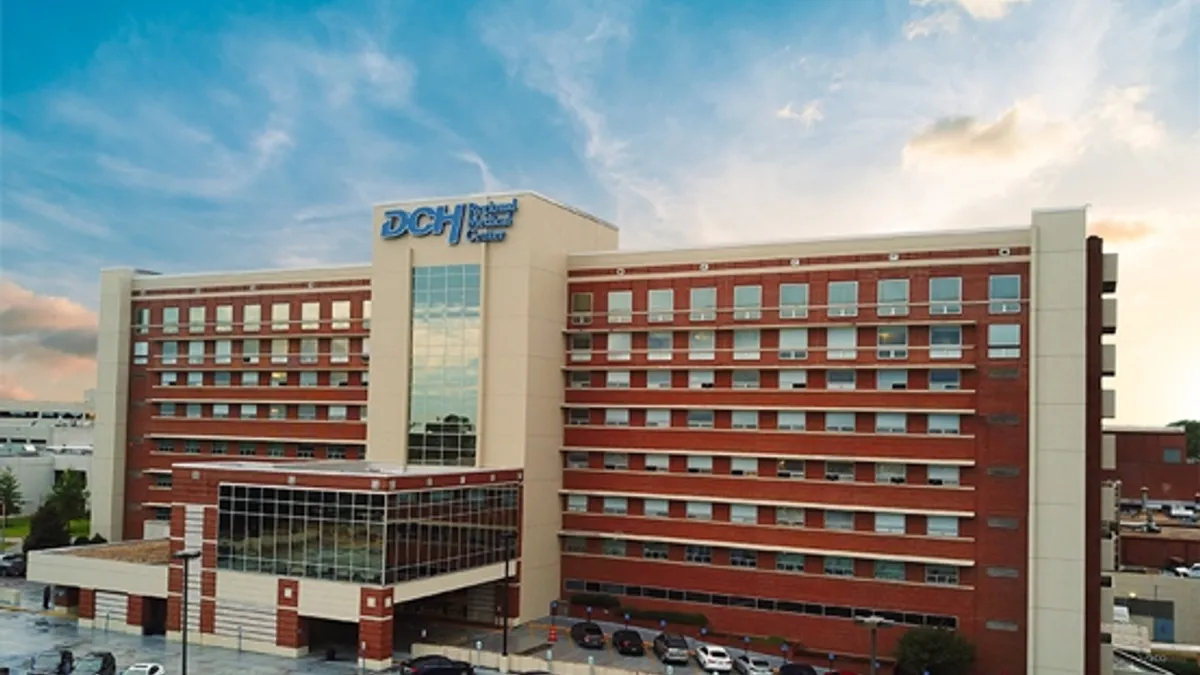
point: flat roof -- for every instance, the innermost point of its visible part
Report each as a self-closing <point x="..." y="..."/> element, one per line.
<point x="345" y="467"/>
<point x="1133" y="429"/>
<point x="1165" y="531"/>
<point x="141" y="552"/>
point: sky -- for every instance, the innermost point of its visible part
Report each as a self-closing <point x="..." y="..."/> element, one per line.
<point x="205" y="135"/>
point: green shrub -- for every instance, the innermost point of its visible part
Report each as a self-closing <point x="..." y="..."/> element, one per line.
<point x="681" y="618"/>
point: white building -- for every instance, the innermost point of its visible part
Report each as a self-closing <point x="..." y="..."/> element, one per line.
<point x="41" y="439"/>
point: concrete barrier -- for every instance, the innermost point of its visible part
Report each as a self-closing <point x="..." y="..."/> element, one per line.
<point x="516" y="662"/>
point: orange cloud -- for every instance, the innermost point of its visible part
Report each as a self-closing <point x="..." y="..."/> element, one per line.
<point x="47" y="345"/>
<point x="10" y="390"/>
<point x="1121" y="231"/>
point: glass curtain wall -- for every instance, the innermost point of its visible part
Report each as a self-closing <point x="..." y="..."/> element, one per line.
<point x="364" y="537"/>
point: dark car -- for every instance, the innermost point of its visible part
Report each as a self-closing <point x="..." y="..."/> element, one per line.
<point x="628" y="642"/>
<point x="95" y="663"/>
<point x="436" y="664"/>
<point x="587" y="635"/>
<point x="12" y="565"/>
<point x="671" y="648"/>
<point x="797" y="669"/>
<point x="53" y="662"/>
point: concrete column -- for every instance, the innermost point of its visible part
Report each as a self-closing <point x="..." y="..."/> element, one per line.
<point x="107" y="477"/>
<point x="87" y="603"/>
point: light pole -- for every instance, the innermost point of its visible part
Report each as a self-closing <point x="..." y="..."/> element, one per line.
<point x="873" y="623"/>
<point x="509" y="541"/>
<point x="187" y="556"/>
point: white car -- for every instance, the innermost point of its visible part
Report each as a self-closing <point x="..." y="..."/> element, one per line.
<point x="752" y="665"/>
<point x="713" y="659"/>
<point x="145" y="669"/>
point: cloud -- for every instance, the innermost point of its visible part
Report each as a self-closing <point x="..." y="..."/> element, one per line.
<point x="1019" y="132"/>
<point x="490" y="182"/>
<point x="1120" y="231"/>
<point x="47" y="344"/>
<point x="808" y="115"/>
<point x="946" y="21"/>
<point x="980" y="10"/>
<point x="10" y="390"/>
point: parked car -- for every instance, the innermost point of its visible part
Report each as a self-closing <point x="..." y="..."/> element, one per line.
<point x="797" y="669"/>
<point x="671" y="648"/>
<point x="1192" y="572"/>
<point x="713" y="659"/>
<point x="752" y="665"/>
<point x="587" y="635"/>
<point x="96" y="663"/>
<point x="436" y="664"/>
<point x="12" y="565"/>
<point x="145" y="669"/>
<point x="53" y="662"/>
<point x="628" y="642"/>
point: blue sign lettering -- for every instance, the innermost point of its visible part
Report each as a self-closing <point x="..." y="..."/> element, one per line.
<point x="480" y="223"/>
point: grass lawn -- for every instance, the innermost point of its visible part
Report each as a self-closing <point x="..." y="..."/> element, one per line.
<point x="18" y="528"/>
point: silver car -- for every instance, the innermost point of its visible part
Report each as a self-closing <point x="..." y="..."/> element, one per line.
<point x="752" y="665"/>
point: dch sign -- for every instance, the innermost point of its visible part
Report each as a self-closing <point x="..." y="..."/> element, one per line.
<point x="481" y="223"/>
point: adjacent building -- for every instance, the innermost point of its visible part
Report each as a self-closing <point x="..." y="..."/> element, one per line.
<point x="40" y="440"/>
<point x="1156" y="459"/>
<point x="778" y="437"/>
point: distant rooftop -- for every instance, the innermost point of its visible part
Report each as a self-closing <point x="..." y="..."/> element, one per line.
<point x="140" y="552"/>
<point x="1133" y="429"/>
<point x="345" y="467"/>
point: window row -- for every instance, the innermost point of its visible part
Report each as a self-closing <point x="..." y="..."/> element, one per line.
<point x="763" y="604"/>
<point x="256" y="449"/>
<point x="279" y="316"/>
<point x="891" y="343"/>
<point x="779" y="516"/>
<point x="305" y="412"/>
<point x="278" y="351"/>
<point x="797" y="469"/>
<point x="255" y="378"/>
<point x="945" y="424"/>
<point x="892" y="297"/>
<point x="832" y="379"/>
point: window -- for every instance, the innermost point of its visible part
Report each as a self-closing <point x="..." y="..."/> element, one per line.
<point x="280" y="316"/>
<point x="1004" y="294"/>
<point x="943" y="475"/>
<point x="616" y="379"/>
<point x="224" y="351"/>
<point x="793" y="344"/>
<point x="308" y="379"/>
<point x="249" y="351"/>
<point x="840" y="422"/>
<point x="656" y="508"/>
<point x="191" y="447"/>
<point x="791" y="420"/>
<point x="740" y="557"/>
<point x="892" y="342"/>
<point x="658" y="379"/>
<point x="168" y="379"/>
<point x="891" y="423"/>
<point x="581" y="347"/>
<point x="170" y="320"/>
<point x="340" y="315"/>
<point x="277" y="412"/>
<point x="659" y="345"/>
<point x="220" y="411"/>
<point x="839" y="520"/>
<point x="616" y="461"/>
<point x="620" y="306"/>
<point x="842" y="343"/>
<point x="616" y="505"/>
<point x="842" y="379"/>
<point x="302" y="452"/>
<point x="945" y="342"/>
<point x="577" y="460"/>
<point x="339" y="350"/>
<point x="1004" y="341"/>
<point x="141" y="321"/>
<point x="793" y="301"/>
<point x="279" y="350"/>
<point x="196" y="352"/>
<point x="836" y="566"/>
<point x="746" y="345"/>
<point x="195" y="379"/>
<point x="1002" y="523"/>
<point x="222" y="379"/>
<point x="701" y="379"/>
<point x="891" y="380"/>
<point x="141" y="353"/>
<point x="579" y="417"/>
<point x="577" y="503"/>
<point x="1007" y="626"/>
<point x="944" y="424"/>
<point x="702" y="345"/>
<point x="165" y="446"/>
<point x="220" y="448"/>
<point x="793" y="379"/>
<point x="196" y="320"/>
<point x="655" y="551"/>
<point x="574" y="545"/>
<point x="747" y="303"/>
<point x="700" y="419"/>
<point x="614" y="547"/>
<point x="744" y="419"/>
<point x="580" y="379"/>
<point x="791" y="468"/>
<point x="743" y="514"/>
<point x="699" y="510"/>
<point x="943" y="379"/>
<point x="310" y="316"/>
<point x="337" y="412"/>
<point x="658" y="462"/>
<point x="698" y="554"/>
<point x="1003" y="573"/>
<point x="366" y="314"/>
<point x="224" y="318"/>
<point x="250" y="378"/>
<point x="889" y="570"/>
<point x="889" y="472"/>
<point x="166" y="409"/>
<point x="789" y="562"/>
<point x="1172" y="456"/>
<point x="790" y="516"/>
<point x="581" y="309"/>
<point x="843" y="298"/>
<point x="341" y="378"/>
<point x="309" y="350"/>
<point x="661" y="305"/>
<point x="194" y="411"/>
<point x="945" y="295"/>
<point x="251" y="318"/>
<point x="892" y="297"/>
<point x="620" y="346"/>
<point x="839" y="471"/>
<point x="703" y="304"/>
<point x="941" y="575"/>
<point x="248" y="411"/>
<point x="941" y="526"/>
<point x="699" y="464"/>
<point x="889" y="523"/>
<point x="616" y="417"/>
<point x="743" y="466"/>
<point x="745" y="379"/>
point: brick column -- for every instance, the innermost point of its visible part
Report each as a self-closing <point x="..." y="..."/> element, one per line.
<point x="375" y="624"/>
<point x="135" y="610"/>
<point x="87" y="603"/>
<point x="288" y="628"/>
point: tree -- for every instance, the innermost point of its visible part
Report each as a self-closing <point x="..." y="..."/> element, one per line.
<point x="938" y="651"/>
<point x="48" y="528"/>
<point x="1192" y="429"/>
<point x="70" y="495"/>
<point x="11" y="499"/>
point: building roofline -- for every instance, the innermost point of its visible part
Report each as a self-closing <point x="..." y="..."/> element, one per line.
<point x="1134" y="429"/>
<point x="340" y="467"/>
<point x="507" y="193"/>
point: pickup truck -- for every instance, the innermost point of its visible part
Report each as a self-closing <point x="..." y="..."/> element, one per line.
<point x="1192" y="572"/>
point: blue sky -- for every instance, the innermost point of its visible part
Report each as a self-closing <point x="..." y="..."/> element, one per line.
<point x="190" y="136"/>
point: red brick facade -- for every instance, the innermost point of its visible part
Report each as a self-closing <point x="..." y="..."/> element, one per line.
<point x="1155" y="459"/>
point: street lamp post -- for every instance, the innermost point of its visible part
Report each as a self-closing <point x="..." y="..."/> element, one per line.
<point x="874" y="623"/>
<point x="187" y="556"/>
<point x="509" y="542"/>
